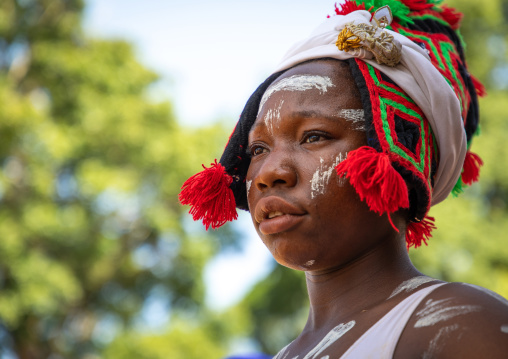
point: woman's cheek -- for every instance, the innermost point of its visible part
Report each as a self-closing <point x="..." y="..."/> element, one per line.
<point x="248" y="185"/>
<point x="324" y="173"/>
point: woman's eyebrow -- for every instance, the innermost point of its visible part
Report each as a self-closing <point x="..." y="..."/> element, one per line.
<point x="353" y="115"/>
<point x="356" y="116"/>
<point x="314" y="114"/>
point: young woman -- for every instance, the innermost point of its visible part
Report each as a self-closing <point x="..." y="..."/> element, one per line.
<point x="338" y="156"/>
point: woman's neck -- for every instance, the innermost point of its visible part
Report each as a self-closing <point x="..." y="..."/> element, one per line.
<point x="358" y="285"/>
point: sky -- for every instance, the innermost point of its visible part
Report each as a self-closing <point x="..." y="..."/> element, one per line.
<point x="211" y="55"/>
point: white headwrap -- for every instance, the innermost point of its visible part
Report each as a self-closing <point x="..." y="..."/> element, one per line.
<point x="416" y="75"/>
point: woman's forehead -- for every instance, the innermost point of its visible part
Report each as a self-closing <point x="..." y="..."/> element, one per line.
<point x="300" y="82"/>
<point x="323" y="76"/>
<point x="321" y="86"/>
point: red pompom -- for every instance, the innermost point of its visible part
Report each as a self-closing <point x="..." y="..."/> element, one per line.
<point x="375" y="180"/>
<point x="348" y="7"/>
<point x="418" y="232"/>
<point x="416" y="5"/>
<point x="451" y="16"/>
<point x="471" y="171"/>
<point x="480" y="89"/>
<point x="210" y="197"/>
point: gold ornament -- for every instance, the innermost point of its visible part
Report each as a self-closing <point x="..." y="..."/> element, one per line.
<point x="357" y="39"/>
<point x="348" y="40"/>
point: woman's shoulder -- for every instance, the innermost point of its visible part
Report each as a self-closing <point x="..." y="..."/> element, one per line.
<point x="457" y="320"/>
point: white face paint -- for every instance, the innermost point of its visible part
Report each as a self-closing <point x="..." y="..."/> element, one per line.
<point x="411" y="284"/>
<point x="438" y="311"/>
<point x="436" y="343"/>
<point x="322" y="176"/>
<point x="489" y="292"/>
<point x="357" y="117"/>
<point x="273" y="115"/>
<point x="297" y="83"/>
<point x="330" y="338"/>
<point x="248" y="184"/>
<point x="504" y="328"/>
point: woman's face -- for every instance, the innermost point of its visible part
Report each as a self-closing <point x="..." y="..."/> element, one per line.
<point x="307" y="216"/>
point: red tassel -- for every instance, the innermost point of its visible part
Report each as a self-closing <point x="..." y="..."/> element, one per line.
<point x="375" y="180"/>
<point x="471" y="171"/>
<point x="210" y="197"/>
<point x="480" y="89"/>
<point x="417" y="5"/>
<point x="451" y="16"/>
<point x="419" y="232"/>
<point x="348" y="7"/>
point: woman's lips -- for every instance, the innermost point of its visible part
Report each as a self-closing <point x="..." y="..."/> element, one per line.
<point x="280" y="223"/>
<point x="276" y="215"/>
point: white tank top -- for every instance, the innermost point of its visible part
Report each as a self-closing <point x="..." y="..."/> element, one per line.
<point x="380" y="340"/>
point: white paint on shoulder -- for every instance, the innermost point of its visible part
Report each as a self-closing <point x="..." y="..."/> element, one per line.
<point x="436" y="311"/>
<point x="297" y="83"/>
<point x="273" y="115"/>
<point x="488" y="292"/>
<point x="283" y="353"/>
<point x="437" y="342"/>
<point x="411" y="284"/>
<point x="248" y="184"/>
<point x="356" y="116"/>
<point x="310" y="263"/>
<point x="321" y="177"/>
<point x="504" y="328"/>
<point x="330" y="338"/>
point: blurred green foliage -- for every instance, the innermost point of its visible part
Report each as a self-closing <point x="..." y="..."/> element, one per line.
<point x="91" y="233"/>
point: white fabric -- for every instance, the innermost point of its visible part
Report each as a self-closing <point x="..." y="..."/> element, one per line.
<point x="416" y="75"/>
<point x="380" y="341"/>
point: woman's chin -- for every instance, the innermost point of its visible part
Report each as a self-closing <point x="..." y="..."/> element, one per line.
<point x="298" y="261"/>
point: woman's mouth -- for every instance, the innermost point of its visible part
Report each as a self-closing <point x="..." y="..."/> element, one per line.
<point x="280" y="223"/>
<point x="276" y="215"/>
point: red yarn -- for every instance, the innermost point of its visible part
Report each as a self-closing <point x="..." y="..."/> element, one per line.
<point x="210" y="197"/>
<point x="472" y="165"/>
<point x="348" y="7"/>
<point x="418" y="232"/>
<point x="375" y="180"/>
<point x="480" y="89"/>
<point x="451" y="16"/>
<point x="417" y="5"/>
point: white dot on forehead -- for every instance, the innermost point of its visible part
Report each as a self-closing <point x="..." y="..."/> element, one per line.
<point x="297" y="83"/>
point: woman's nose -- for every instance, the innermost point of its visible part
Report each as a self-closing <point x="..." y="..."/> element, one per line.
<point x="277" y="170"/>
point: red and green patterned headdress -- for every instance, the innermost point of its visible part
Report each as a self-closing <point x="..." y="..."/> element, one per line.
<point x="420" y="105"/>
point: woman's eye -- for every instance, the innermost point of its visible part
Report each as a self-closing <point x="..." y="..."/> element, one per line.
<point x="257" y="150"/>
<point x="313" y="138"/>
